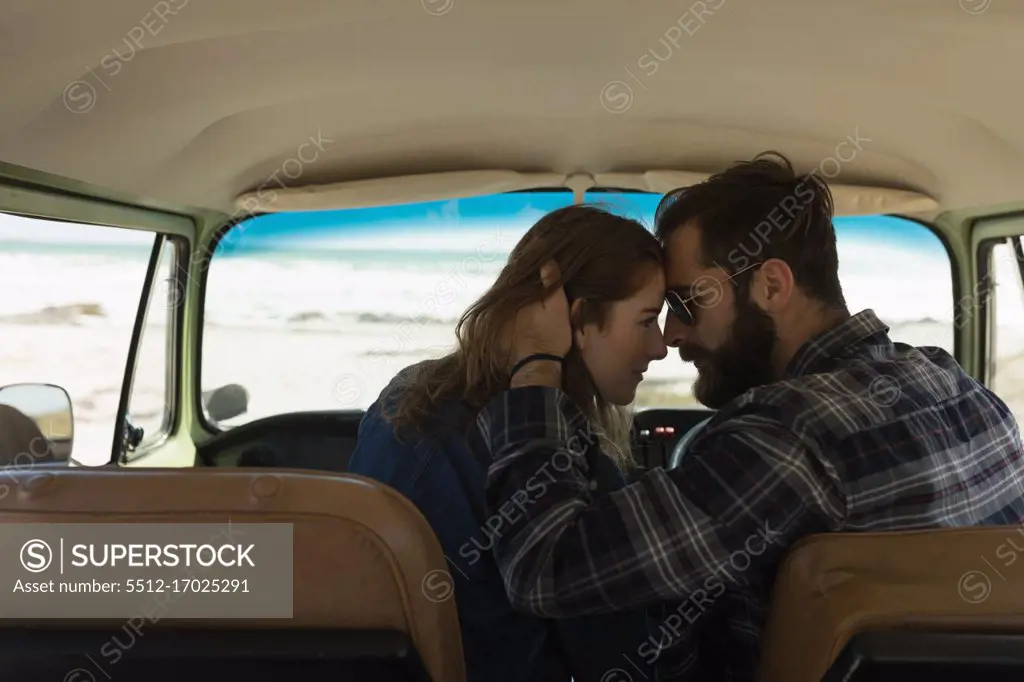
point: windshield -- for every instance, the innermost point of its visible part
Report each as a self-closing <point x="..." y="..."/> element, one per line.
<point x="319" y="310"/>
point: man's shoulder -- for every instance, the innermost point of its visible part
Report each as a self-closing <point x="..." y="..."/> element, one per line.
<point x="865" y="391"/>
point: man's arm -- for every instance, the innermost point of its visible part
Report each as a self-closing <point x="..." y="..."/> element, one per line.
<point x="735" y="503"/>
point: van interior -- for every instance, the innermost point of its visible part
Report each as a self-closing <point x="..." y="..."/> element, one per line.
<point x="225" y="226"/>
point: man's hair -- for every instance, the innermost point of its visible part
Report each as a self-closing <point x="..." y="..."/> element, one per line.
<point x="757" y="210"/>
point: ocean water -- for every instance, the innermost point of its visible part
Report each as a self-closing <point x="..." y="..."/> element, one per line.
<point x="335" y="289"/>
<point x="337" y="270"/>
<point x="341" y="289"/>
<point x="302" y="290"/>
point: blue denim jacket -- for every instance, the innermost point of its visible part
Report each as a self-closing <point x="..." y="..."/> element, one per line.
<point x="444" y="477"/>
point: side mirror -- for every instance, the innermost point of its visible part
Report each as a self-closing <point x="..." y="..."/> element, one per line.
<point x="36" y="424"/>
<point x="226" y="402"/>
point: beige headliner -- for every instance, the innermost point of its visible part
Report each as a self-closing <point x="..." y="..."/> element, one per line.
<point x="226" y="91"/>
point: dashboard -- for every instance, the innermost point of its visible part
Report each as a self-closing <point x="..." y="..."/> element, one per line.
<point x="656" y="432"/>
<point x="324" y="441"/>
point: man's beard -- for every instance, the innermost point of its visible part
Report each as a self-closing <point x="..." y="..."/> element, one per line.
<point x="743" y="362"/>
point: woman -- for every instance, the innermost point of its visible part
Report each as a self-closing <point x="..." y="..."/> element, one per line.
<point x="419" y="436"/>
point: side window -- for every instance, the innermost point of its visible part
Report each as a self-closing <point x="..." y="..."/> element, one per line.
<point x="70" y="299"/>
<point x="320" y="310"/>
<point x="153" y="381"/>
<point x="1006" y="362"/>
<point x="897" y="267"/>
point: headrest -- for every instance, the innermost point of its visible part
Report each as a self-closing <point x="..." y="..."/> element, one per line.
<point x="362" y="552"/>
<point x="833" y="586"/>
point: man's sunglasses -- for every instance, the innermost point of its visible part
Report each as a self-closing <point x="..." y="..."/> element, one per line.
<point x="677" y="305"/>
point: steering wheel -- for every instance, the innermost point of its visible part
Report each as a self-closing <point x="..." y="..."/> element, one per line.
<point x="680" y="449"/>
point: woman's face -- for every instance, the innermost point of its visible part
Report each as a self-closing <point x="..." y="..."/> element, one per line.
<point x="618" y="352"/>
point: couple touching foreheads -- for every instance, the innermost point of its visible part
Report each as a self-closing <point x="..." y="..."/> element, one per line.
<point x="594" y="568"/>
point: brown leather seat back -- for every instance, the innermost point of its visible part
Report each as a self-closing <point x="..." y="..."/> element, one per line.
<point x="361" y="551"/>
<point x="831" y="587"/>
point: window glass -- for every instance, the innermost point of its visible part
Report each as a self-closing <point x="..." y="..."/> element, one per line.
<point x="148" y="404"/>
<point x="319" y="310"/>
<point x="70" y="299"/>
<point x="897" y="267"/>
<point x="1007" y="367"/>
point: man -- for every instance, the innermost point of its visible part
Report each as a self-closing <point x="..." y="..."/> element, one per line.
<point x="824" y="424"/>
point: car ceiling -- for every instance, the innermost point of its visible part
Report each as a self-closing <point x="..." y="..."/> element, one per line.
<point x="195" y="102"/>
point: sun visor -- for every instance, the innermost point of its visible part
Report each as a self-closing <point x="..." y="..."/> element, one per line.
<point x="849" y="200"/>
<point x="407" y="189"/>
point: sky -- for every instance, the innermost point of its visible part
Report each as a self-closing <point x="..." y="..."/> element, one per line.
<point x="462" y="224"/>
<point x="442" y="225"/>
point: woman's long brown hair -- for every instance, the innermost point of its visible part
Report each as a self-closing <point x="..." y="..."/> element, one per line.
<point x="603" y="258"/>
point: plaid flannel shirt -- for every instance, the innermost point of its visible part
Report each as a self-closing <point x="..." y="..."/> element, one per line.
<point x="861" y="434"/>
